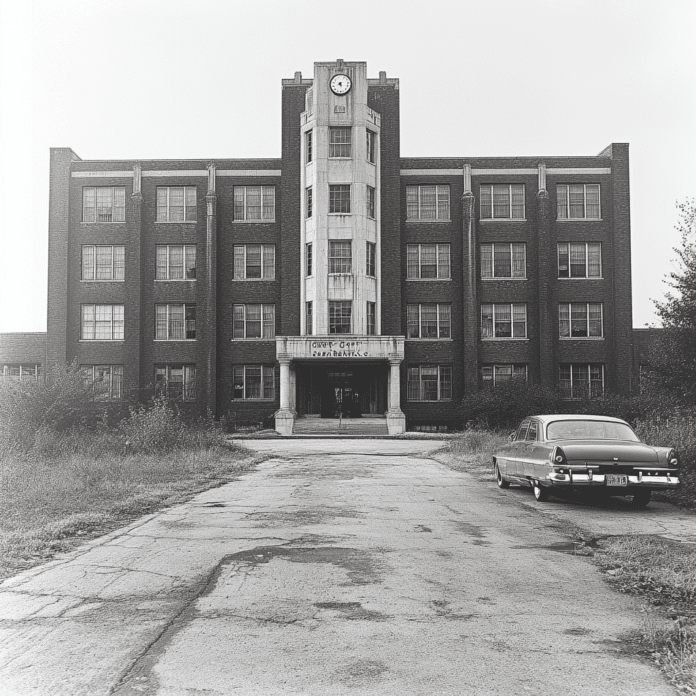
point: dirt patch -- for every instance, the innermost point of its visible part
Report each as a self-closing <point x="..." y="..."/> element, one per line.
<point x="353" y="611"/>
<point x="302" y="516"/>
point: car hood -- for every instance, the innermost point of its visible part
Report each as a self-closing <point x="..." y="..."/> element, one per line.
<point x="607" y="450"/>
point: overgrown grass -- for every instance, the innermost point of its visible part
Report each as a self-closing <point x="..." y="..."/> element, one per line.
<point x="663" y="572"/>
<point x="472" y="450"/>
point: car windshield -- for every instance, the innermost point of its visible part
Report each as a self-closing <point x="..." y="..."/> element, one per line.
<point x="589" y="430"/>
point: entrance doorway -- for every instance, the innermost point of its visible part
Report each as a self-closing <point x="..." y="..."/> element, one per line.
<point x="347" y="389"/>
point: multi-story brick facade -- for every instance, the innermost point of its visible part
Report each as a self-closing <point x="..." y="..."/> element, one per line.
<point x="341" y="276"/>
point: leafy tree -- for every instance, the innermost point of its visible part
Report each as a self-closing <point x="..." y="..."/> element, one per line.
<point x="673" y="359"/>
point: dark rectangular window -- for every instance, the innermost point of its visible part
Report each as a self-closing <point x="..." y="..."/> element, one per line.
<point x="309" y="201"/>
<point x="491" y="375"/>
<point x="340" y="142"/>
<point x="175" y="322"/>
<point x="340" y="313"/>
<point x="175" y="262"/>
<point x="580" y="320"/>
<point x="102" y="322"/>
<point x="428" y="261"/>
<point x="371" y="202"/>
<point x="253" y="382"/>
<point x="371" y="318"/>
<point x="254" y="203"/>
<point x="105" y="380"/>
<point x="309" y="318"/>
<point x="176" y="382"/>
<point x="103" y="262"/>
<point x="578" y="202"/>
<point x="309" y="258"/>
<point x="503" y="321"/>
<point x="339" y="198"/>
<point x="176" y="204"/>
<point x="308" y="146"/>
<point x="429" y="383"/>
<point x="428" y="202"/>
<point x="253" y="321"/>
<point x="579" y="381"/>
<point x="580" y="260"/>
<point x="371" y="137"/>
<point x="502" y="201"/>
<point x="503" y="261"/>
<point x="428" y="320"/>
<point x="371" y="252"/>
<point x="340" y="256"/>
<point x="104" y="204"/>
<point x="254" y="261"/>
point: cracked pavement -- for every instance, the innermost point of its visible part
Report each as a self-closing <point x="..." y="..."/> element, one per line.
<point x="338" y="566"/>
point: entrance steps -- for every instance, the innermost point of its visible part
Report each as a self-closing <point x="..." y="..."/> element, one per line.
<point x="348" y="426"/>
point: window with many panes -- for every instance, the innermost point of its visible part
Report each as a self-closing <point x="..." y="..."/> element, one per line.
<point x="308" y="201"/>
<point x="104" y="204"/>
<point x="308" y="257"/>
<point x="428" y="320"/>
<point x="502" y="201"/>
<point x="580" y="260"/>
<point x="503" y="260"/>
<point x="371" y="318"/>
<point x="340" y="256"/>
<point x="176" y="204"/>
<point x="254" y="261"/>
<point x="370" y="202"/>
<point x="340" y="315"/>
<point x="253" y="382"/>
<point x="429" y="383"/>
<point x="580" y="380"/>
<point x="175" y="262"/>
<point x="371" y="252"/>
<point x="254" y="203"/>
<point x="103" y="262"/>
<point x="371" y="138"/>
<point x="175" y="322"/>
<point x="428" y="202"/>
<point x="308" y="146"/>
<point x="309" y="318"/>
<point x="339" y="198"/>
<point x="102" y="322"/>
<point x="580" y="320"/>
<point x="491" y="375"/>
<point x="106" y="381"/>
<point x="503" y="320"/>
<point x="253" y="321"/>
<point x="21" y="371"/>
<point x="176" y="382"/>
<point x="578" y="202"/>
<point x="428" y="261"/>
<point x="340" y="141"/>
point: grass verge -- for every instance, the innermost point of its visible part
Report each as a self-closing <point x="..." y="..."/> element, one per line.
<point x="470" y="451"/>
<point x="51" y="505"/>
<point x="662" y="573"/>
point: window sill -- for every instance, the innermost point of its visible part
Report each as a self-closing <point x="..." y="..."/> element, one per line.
<point x="253" y="222"/>
<point x="429" y="339"/>
<point x="583" y="278"/>
<point x="253" y="280"/>
<point x="581" y="338"/>
<point x="254" y="340"/>
<point x="339" y="214"/>
<point x="489" y="279"/>
<point x="103" y="281"/>
<point x="255" y="400"/>
<point x="487" y="340"/>
<point x="439" y="222"/>
<point x="485" y="220"/>
<point x="579" y="220"/>
<point x="428" y="401"/>
<point x="174" y="340"/>
<point x="176" y="222"/>
<point x="428" y="280"/>
<point x="103" y="222"/>
<point x="175" y="280"/>
<point x="340" y="158"/>
<point x="341" y="273"/>
<point x="102" y="340"/>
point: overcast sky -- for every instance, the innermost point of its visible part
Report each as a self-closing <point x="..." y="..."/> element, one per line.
<point x="141" y="79"/>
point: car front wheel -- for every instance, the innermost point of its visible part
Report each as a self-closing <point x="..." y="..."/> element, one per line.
<point x="502" y="483"/>
<point x="540" y="493"/>
<point x="640" y="499"/>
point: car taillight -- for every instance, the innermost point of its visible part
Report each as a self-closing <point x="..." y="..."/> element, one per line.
<point x="558" y="457"/>
<point x="673" y="459"/>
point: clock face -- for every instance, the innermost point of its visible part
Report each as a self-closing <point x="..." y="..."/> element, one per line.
<point x="340" y="84"/>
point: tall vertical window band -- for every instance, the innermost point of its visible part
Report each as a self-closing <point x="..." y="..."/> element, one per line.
<point x="502" y="202"/>
<point x="309" y="318"/>
<point x="176" y="382"/>
<point x="340" y="316"/>
<point x="428" y="320"/>
<point x="580" y="260"/>
<point x="103" y="262"/>
<point x="340" y="139"/>
<point x="102" y="322"/>
<point x="580" y="320"/>
<point x="429" y="383"/>
<point x="428" y="202"/>
<point x="371" y="318"/>
<point x="308" y="201"/>
<point x="308" y="147"/>
<point x="254" y="261"/>
<point x="371" y="202"/>
<point x="253" y="321"/>
<point x="578" y="202"/>
<point x="176" y="204"/>
<point x="370" y="255"/>
<point x="371" y="138"/>
<point x="175" y="322"/>
<point x="254" y="203"/>
<point x="308" y="258"/>
<point x="104" y="204"/>
<point x="175" y="262"/>
<point x="504" y="260"/>
<point x="428" y="262"/>
<point x="503" y="321"/>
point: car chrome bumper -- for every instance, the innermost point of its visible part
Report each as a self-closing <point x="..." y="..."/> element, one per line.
<point x="585" y="480"/>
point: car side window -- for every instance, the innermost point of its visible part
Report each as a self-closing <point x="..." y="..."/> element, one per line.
<point x="532" y="432"/>
<point x="522" y="432"/>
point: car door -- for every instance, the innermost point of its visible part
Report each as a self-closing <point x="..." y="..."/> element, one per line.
<point x="531" y="453"/>
<point x="517" y="450"/>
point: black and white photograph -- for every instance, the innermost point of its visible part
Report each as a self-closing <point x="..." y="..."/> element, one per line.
<point x="347" y="349"/>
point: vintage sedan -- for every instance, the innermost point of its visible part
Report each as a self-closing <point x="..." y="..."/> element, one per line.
<point x="594" y="454"/>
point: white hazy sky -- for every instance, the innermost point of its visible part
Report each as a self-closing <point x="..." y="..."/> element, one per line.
<point x="121" y="79"/>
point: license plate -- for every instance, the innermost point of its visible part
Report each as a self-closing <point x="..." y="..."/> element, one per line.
<point x="615" y="480"/>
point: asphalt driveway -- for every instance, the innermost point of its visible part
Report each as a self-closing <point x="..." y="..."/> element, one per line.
<point x="338" y="567"/>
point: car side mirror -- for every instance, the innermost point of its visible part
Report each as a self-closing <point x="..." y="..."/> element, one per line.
<point x="512" y="437"/>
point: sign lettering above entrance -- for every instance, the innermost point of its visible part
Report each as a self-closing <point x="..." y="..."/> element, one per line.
<point x="338" y="349"/>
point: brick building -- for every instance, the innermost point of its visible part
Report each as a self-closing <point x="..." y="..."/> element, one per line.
<point x="341" y="277"/>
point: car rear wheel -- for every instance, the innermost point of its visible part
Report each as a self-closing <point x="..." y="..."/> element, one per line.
<point x="502" y="483"/>
<point x="640" y="499"/>
<point x="540" y="493"/>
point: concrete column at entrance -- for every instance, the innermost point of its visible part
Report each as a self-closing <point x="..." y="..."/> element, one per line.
<point x="285" y="415"/>
<point x="396" y="420"/>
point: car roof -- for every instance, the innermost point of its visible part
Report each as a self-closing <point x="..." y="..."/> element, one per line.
<point x="548" y="418"/>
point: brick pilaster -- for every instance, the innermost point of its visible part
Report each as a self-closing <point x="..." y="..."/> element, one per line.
<point x="546" y="275"/>
<point x="471" y="311"/>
